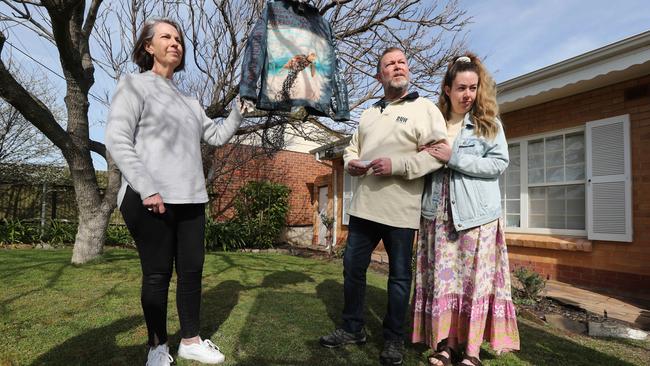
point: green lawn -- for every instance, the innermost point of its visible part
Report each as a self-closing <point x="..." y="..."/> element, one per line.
<point x="261" y="309"/>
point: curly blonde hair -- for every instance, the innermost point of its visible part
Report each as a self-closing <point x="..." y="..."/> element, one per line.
<point x="485" y="110"/>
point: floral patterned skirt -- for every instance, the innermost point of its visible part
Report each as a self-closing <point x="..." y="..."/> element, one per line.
<point x="462" y="285"/>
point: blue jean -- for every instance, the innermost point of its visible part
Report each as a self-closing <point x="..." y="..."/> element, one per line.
<point x="363" y="237"/>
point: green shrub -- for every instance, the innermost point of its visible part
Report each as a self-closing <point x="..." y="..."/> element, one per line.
<point x="56" y="232"/>
<point x="531" y="286"/>
<point x="119" y="235"/>
<point x="261" y="213"/>
<point x="59" y="232"/>
<point x="15" y="231"/>
<point x="223" y="236"/>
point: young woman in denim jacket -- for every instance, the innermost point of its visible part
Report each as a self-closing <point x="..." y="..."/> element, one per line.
<point x="462" y="294"/>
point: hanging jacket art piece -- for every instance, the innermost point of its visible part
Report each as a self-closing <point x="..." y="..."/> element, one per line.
<point x="291" y="55"/>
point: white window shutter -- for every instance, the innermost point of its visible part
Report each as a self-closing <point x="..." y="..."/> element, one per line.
<point x="349" y="184"/>
<point x="609" y="179"/>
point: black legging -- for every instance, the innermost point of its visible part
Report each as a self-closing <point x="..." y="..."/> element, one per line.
<point x="177" y="234"/>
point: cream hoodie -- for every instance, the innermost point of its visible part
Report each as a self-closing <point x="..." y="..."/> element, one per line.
<point x="395" y="132"/>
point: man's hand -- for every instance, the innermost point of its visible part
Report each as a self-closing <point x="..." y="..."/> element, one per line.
<point x="439" y="150"/>
<point x="155" y="204"/>
<point x="381" y="167"/>
<point x="356" y="168"/>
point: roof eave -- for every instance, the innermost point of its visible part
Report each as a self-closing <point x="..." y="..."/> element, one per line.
<point x="627" y="58"/>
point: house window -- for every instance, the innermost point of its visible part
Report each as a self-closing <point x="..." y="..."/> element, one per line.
<point x="543" y="189"/>
<point x="349" y="185"/>
<point x="556" y="182"/>
<point x="571" y="182"/>
<point x="510" y="185"/>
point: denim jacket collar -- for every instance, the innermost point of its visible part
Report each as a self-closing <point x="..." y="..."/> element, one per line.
<point x="467" y="120"/>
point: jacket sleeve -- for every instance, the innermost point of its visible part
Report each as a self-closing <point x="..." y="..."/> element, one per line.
<point x="490" y="165"/>
<point x="219" y="134"/>
<point x="419" y="164"/>
<point x="254" y="58"/>
<point x="340" y="104"/>
<point x="123" y="117"/>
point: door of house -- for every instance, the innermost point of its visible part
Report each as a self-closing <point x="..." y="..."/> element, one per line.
<point x="322" y="209"/>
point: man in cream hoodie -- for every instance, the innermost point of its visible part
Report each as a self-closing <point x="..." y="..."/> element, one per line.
<point x="385" y="206"/>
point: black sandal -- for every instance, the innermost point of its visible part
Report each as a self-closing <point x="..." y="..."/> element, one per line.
<point x="446" y="360"/>
<point x="474" y="361"/>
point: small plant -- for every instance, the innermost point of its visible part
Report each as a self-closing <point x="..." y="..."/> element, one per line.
<point x="59" y="232"/>
<point x="119" y="235"/>
<point x="224" y="236"/>
<point x="531" y="286"/>
<point x="339" y="250"/>
<point x="328" y="222"/>
<point x="15" y="231"/>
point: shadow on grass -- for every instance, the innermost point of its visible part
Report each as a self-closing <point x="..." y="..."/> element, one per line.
<point x="99" y="347"/>
<point x="541" y="347"/>
<point x="281" y="279"/>
<point x="51" y="270"/>
<point x="283" y="328"/>
<point x="53" y="277"/>
<point x="112" y="256"/>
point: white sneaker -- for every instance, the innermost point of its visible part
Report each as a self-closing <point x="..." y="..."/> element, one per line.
<point x="159" y="356"/>
<point x="205" y="351"/>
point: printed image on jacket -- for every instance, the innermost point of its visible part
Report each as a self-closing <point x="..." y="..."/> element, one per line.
<point x="291" y="52"/>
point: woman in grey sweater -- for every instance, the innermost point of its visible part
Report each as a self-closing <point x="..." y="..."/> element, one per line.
<point x="153" y="134"/>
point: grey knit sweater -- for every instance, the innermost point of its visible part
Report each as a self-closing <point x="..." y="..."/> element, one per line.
<point x="154" y="132"/>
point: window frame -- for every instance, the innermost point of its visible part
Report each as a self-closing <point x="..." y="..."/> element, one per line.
<point x="347" y="194"/>
<point x="524" y="186"/>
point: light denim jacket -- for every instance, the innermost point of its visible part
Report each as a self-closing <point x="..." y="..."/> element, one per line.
<point x="476" y="164"/>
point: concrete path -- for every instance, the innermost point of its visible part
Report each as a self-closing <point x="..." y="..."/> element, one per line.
<point x="633" y="311"/>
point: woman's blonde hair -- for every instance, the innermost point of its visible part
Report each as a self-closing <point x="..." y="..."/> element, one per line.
<point x="485" y="109"/>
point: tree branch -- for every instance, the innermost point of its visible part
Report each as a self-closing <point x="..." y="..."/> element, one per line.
<point x="25" y="14"/>
<point x="334" y="3"/>
<point x="98" y="147"/>
<point x="33" y="109"/>
<point x="91" y="18"/>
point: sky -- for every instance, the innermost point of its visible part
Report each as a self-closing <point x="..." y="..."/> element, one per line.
<point x="514" y="37"/>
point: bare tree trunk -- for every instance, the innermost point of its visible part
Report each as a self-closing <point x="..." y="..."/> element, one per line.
<point x="94" y="213"/>
<point x="217" y="33"/>
<point x="91" y="234"/>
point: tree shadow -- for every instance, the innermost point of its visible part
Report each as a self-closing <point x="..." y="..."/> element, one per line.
<point x="542" y="347"/>
<point x="54" y="276"/>
<point x="281" y="279"/>
<point x="216" y="305"/>
<point x="294" y="316"/>
<point x="99" y="346"/>
<point x="112" y="256"/>
<point x="53" y="270"/>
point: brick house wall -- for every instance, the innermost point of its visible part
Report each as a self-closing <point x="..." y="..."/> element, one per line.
<point x="294" y="169"/>
<point x="379" y="255"/>
<point x="619" y="266"/>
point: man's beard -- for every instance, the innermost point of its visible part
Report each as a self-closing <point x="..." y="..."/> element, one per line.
<point x="401" y="83"/>
<point x="397" y="86"/>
